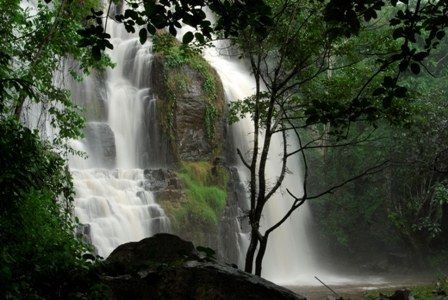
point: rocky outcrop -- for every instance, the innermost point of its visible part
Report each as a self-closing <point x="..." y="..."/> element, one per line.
<point x="229" y="226"/>
<point x="192" y="118"/>
<point x="189" y="133"/>
<point x="90" y="94"/>
<point x="148" y="254"/>
<point x="171" y="194"/>
<point x="166" y="267"/>
<point x="168" y="190"/>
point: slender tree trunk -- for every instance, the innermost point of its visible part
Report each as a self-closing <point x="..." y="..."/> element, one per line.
<point x="251" y="251"/>
<point x="260" y="255"/>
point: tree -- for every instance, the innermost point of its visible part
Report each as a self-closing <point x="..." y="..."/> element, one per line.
<point x="401" y="210"/>
<point x="312" y="77"/>
<point x="37" y="44"/>
<point x="40" y="256"/>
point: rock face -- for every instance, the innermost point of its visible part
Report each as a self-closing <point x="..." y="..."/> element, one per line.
<point x="91" y="95"/>
<point x="188" y="126"/>
<point x="166" y="267"/>
<point x="171" y="194"/>
<point x="101" y="141"/>
<point x="182" y="101"/>
<point x="229" y="226"/>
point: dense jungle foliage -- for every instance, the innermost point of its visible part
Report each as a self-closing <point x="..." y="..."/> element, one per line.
<point x="402" y="210"/>
<point x="40" y="258"/>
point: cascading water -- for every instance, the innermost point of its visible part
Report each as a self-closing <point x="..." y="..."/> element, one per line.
<point x="289" y="258"/>
<point x="112" y="199"/>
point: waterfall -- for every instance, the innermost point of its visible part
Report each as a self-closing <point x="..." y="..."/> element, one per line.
<point x="113" y="200"/>
<point x="114" y="203"/>
<point x="289" y="258"/>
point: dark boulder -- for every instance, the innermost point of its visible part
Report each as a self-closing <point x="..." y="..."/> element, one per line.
<point x="167" y="267"/>
<point x="403" y="294"/>
<point x="149" y="253"/>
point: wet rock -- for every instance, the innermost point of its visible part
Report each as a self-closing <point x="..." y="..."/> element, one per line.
<point x="183" y="110"/>
<point x="158" y="180"/>
<point x="166" y="267"/>
<point x="403" y="294"/>
<point x="101" y="143"/>
<point x="229" y="226"/>
<point x="83" y="232"/>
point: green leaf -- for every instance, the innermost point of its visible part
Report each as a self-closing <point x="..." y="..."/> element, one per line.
<point x="151" y="29"/>
<point x="403" y="65"/>
<point x="199" y="37"/>
<point x="379" y="91"/>
<point x="172" y="30"/>
<point x="415" y="68"/>
<point x="143" y="34"/>
<point x="400" y="92"/>
<point x="96" y="53"/>
<point x="187" y="38"/>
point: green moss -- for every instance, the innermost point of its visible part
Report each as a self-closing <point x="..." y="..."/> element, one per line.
<point x="210" y="116"/>
<point x="176" y="56"/>
<point x="175" y="53"/>
<point x="206" y="193"/>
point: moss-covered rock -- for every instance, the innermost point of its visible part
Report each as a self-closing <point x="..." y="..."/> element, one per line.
<point x="194" y="199"/>
<point x="190" y="100"/>
<point x="191" y="115"/>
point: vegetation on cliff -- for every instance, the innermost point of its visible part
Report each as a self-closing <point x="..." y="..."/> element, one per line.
<point x="191" y="106"/>
<point x="195" y="208"/>
<point x="206" y="187"/>
<point x="178" y="58"/>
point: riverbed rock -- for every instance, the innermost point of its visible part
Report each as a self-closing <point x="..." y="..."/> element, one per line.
<point x="159" y="180"/>
<point x="167" y="267"/>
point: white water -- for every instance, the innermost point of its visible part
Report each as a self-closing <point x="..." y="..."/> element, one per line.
<point x="289" y="258"/>
<point x="110" y="195"/>
<point x="116" y="207"/>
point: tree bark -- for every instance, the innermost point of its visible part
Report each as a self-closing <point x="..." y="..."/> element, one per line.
<point x="251" y="251"/>
<point x="260" y="255"/>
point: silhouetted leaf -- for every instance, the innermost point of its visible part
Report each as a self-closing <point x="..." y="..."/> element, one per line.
<point x="143" y="35"/>
<point x="415" y="68"/>
<point x="187" y="38"/>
